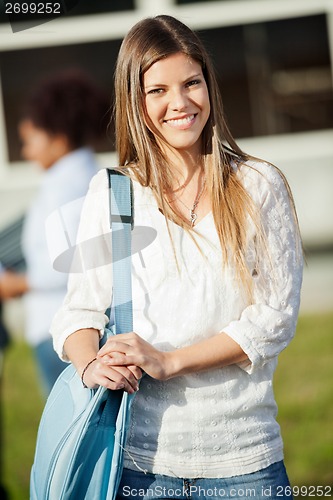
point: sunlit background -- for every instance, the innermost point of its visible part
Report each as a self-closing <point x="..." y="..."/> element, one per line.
<point x="274" y="62"/>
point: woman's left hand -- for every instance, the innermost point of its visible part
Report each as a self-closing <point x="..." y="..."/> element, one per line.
<point x="129" y="349"/>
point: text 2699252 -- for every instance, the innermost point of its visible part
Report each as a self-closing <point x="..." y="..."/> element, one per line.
<point x="39" y="8"/>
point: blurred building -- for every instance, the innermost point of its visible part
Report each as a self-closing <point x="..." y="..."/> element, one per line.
<point x="274" y="60"/>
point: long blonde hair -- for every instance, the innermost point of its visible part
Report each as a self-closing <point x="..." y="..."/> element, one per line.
<point x="149" y="41"/>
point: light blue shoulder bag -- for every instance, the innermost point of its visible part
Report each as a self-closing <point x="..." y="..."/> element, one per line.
<point x="82" y="433"/>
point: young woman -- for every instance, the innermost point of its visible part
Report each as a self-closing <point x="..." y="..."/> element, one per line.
<point x="215" y="296"/>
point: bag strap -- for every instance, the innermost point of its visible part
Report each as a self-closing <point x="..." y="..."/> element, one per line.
<point x="121" y="223"/>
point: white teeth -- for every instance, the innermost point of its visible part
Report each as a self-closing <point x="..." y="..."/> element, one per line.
<point x="182" y="121"/>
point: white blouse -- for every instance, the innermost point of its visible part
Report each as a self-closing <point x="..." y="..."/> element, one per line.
<point x="222" y="422"/>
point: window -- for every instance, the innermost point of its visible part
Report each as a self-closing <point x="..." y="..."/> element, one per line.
<point x="275" y="76"/>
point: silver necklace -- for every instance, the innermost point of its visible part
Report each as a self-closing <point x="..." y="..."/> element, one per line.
<point x="193" y="214"/>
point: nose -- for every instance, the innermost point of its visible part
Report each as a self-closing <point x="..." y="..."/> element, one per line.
<point x="178" y="100"/>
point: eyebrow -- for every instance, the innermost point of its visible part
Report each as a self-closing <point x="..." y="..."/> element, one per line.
<point x="192" y="77"/>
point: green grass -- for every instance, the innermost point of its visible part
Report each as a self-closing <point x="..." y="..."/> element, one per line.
<point x="304" y="392"/>
<point x="303" y="388"/>
<point x="22" y="407"/>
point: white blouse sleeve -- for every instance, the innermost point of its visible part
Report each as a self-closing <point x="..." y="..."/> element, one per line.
<point x="266" y="327"/>
<point x="89" y="291"/>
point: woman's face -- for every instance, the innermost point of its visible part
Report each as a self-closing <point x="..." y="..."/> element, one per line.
<point x="177" y="102"/>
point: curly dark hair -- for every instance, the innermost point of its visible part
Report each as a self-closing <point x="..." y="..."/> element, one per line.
<point x="69" y="103"/>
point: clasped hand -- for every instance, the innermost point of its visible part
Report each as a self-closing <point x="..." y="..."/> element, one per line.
<point x="121" y="361"/>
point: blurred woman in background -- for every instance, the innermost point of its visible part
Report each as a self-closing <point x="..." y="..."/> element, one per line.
<point x="64" y="117"/>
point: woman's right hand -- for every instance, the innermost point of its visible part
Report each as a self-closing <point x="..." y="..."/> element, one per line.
<point x="112" y="377"/>
<point x="12" y="284"/>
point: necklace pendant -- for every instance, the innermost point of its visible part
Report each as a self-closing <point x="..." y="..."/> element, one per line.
<point x="193" y="217"/>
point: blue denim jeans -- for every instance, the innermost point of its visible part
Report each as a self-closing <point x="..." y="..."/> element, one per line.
<point x="49" y="365"/>
<point x="270" y="483"/>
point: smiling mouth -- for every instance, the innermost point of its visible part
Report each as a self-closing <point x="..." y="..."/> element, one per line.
<point x="181" y="122"/>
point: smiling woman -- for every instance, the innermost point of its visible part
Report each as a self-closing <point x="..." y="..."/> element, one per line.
<point x="215" y="301"/>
